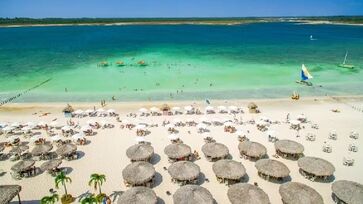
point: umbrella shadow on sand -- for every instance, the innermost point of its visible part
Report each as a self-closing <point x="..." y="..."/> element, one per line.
<point x="155" y="159"/>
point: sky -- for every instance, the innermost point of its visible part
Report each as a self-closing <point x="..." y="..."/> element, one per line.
<point x="177" y="8"/>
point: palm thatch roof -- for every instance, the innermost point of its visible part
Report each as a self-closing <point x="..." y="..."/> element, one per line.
<point x="51" y="164"/>
<point x="244" y="193"/>
<point x="272" y="168"/>
<point x="68" y="109"/>
<point x="165" y="107"/>
<point x="229" y="169"/>
<point x="41" y="149"/>
<point x="252" y="105"/>
<point x="192" y="194"/>
<point x="298" y="193"/>
<point x="138" y="195"/>
<point x="22" y="165"/>
<point x="184" y="171"/>
<point x="138" y="173"/>
<point x="8" y="192"/>
<point x="348" y="191"/>
<point x="176" y="151"/>
<point x="316" y="166"/>
<point x="19" y="149"/>
<point x="289" y="147"/>
<point x="140" y="152"/>
<point x="215" y="150"/>
<point x="66" y="149"/>
<point x="252" y="149"/>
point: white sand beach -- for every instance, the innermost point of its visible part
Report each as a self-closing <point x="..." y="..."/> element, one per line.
<point x="106" y="152"/>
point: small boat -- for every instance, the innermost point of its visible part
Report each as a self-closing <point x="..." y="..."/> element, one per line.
<point x="103" y="64"/>
<point x="344" y="65"/>
<point x="305" y="76"/>
<point x="312" y="38"/>
<point x="120" y="63"/>
<point x="142" y="63"/>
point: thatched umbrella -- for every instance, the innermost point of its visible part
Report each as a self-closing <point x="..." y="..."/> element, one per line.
<point x="68" y="109"/>
<point x="138" y="195"/>
<point x="244" y="193"/>
<point x="22" y="165"/>
<point x="192" y="194"/>
<point x="215" y="150"/>
<point x="177" y="151"/>
<point x="41" y="149"/>
<point x="66" y="149"/>
<point x="229" y="169"/>
<point x="140" y="152"/>
<point x="316" y="166"/>
<point x="289" y="147"/>
<point x="298" y="193"/>
<point x="8" y="192"/>
<point x="253" y="108"/>
<point x="253" y="150"/>
<point x="184" y="171"/>
<point x="348" y="191"/>
<point x="272" y="168"/>
<point x="138" y="173"/>
<point x="165" y="108"/>
<point x="19" y="149"/>
<point x="51" y="164"/>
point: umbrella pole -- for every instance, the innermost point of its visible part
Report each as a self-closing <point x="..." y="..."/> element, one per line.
<point x="19" y="198"/>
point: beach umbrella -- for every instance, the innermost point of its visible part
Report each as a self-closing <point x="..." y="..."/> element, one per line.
<point x="192" y="194"/>
<point x="26" y="129"/>
<point x="140" y="152"/>
<point x="42" y="124"/>
<point x="216" y="120"/>
<point x="298" y="193"/>
<point x="15" y="124"/>
<point x="66" y="149"/>
<point x="265" y="119"/>
<point x="30" y="124"/>
<point x="177" y="120"/>
<point x="316" y="166"/>
<point x="143" y="110"/>
<point x="173" y="136"/>
<point x="22" y="165"/>
<point x="154" y="109"/>
<point x="228" y="124"/>
<point x="54" y="124"/>
<point x="222" y="108"/>
<point x="289" y="147"/>
<point x="184" y="171"/>
<point x="225" y="120"/>
<point x="19" y="149"/>
<point x="205" y="135"/>
<point x="78" y="112"/>
<point x="176" y="108"/>
<point x="36" y="138"/>
<point x="301" y="117"/>
<point x="229" y="169"/>
<point x="3" y="124"/>
<point x="88" y="111"/>
<point x="271" y="133"/>
<point x="8" y="192"/>
<point x="209" y="108"/>
<point x="247" y="194"/>
<point x="188" y="108"/>
<point x="140" y="127"/>
<point x="215" y="150"/>
<point x="295" y="122"/>
<point x="111" y="111"/>
<point x="201" y="126"/>
<point x="66" y="128"/>
<point x="8" y="129"/>
<point x="273" y="168"/>
<point x="138" y="173"/>
<point x="41" y="149"/>
<point x="78" y="136"/>
<point x="176" y="151"/>
<point x="170" y="125"/>
<point x="51" y="164"/>
<point x="140" y="139"/>
<point x="138" y="195"/>
<point x="100" y="110"/>
<point x="12" y="138"/>
<point x="204" y="119"/>
<point x="86" y="128"/>
<point x="56" y="138"/>
<point x="233" y="108"/>
<point x="240" y="133"/>
<point x="348" y="191"/>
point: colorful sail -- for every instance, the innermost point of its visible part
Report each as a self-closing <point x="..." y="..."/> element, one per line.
<point x="305" y="75"/>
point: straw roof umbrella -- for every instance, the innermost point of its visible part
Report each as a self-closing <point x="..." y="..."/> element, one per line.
<point x="192" y="194"/>
<point x="176" y="151"/>
<point x="66" y="149"/>
<point x="252" y="149"/>
<point x="138" y="173"/>
<point x="19" y="149"/>
<point x="215" y="150"/>
<point x="140" y="152"/>
<point x="272" y="168"/>
<point x="298" y="193"/>
<point x="51" y="164"/>
<point x="68" y="109"/>
<point x="244" y="193"/>
<point x="138" y="195"/>
<point x="229" y="169"/>
<point x="316" y="166"/>
<point x="41" y="149"/>
<point x="184" y="171"/>
<point x="165" y="107"/>
<point x="289" y="147"/>
<point x="8" y="192"/>
<point x="22" y="165"/>
<point x="348" y="191"/>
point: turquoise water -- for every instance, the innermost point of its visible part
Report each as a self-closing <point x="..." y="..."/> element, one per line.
<point x="184" y="62"/>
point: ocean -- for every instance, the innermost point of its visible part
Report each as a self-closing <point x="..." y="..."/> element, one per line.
<point x="183" y="62"/>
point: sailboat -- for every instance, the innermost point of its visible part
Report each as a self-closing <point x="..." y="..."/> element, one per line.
<point x="312" y="38"/>
<point x="344" y="65"/>
<point x="305" y="76"/>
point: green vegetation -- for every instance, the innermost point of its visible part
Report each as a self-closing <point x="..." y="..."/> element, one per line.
<point x="97" y="180"/>
<point x="62" y="179"/>
<point x="49" y="199"/>
<point x="90" y="199"/>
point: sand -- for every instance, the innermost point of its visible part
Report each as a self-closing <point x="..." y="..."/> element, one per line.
<point x="106" y="153"/>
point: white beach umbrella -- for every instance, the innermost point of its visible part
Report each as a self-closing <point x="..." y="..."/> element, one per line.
<point x="188" y="108"/>
<point x="264" y="118"/>
<point x="56" y="138"/>
<point x="26" y="129"/>
<point x="295" y="122"/>
<point x="228" y="124"/>
<point x="111" y="111"/>
<point x="233" y="108"/>
<point x="216" y="120"/>
<point x="37" y="137"/>
<point x="240" y="133"/>
<point x="15" y="124"/>
<point x="209" y="108"/>
<point x="66" y="128"/>
<point x="204" y="119"/>
<point x="140" y="139"/>
<point x="100" y="110"/>
<point x="226" y="120"/>
<point x="154" y="109"/>
<point x="176" y="108"/>
<point x="173" y="136"/>
<point x="86" y="128"/>
<point x="8" y="128"/>
<point x="205" y="135"/>
<point x="54" y="124"/>
<point x="143" y="110"/>
<point x="78" y="112"/>
<point x="12" y="138"/>
<point x="189" y="120"/>
<point x="201" y="126"/>
<point x="271" y="133"/>
<point x="261" y="123"/>
<point x="88" y="111"/>
<point x="222" y="108"/>
<point x="177" y="120"/>
<point x="170" y="125"/>
<point x="125" y="122"/>
<point x="42" y="123"/>
<point x="3" y="124"/>
<point x="140" y="127"/>
<point x="30" y="124"/>
<point x="78" y="136"/>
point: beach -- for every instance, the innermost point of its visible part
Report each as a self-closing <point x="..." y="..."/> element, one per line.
<point x="106" y="152"/>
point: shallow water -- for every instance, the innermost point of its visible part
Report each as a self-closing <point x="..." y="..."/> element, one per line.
<point x="183" y="61"/>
